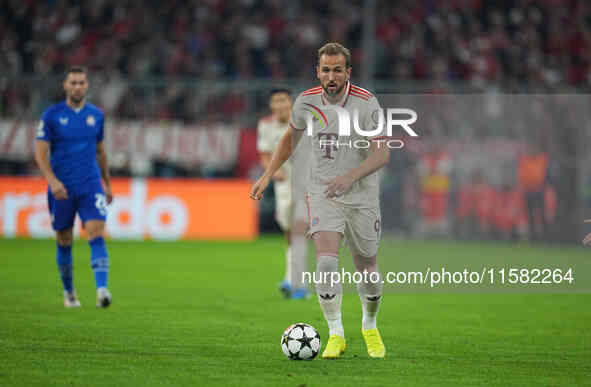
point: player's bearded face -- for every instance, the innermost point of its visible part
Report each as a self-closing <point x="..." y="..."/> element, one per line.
<point x="76" y="86"/>
<point x="333" y="73"/>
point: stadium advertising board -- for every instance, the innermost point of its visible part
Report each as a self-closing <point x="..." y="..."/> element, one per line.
<point x="214" y="145"/>
<point x="142" y="209"/>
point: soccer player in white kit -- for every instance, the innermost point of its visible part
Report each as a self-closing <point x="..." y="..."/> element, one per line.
<point x="343" y="190"/>
<point x="290" y="210"/>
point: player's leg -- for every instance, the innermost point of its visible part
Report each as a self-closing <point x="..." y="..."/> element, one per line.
<point x="299" y="258"/>
<point x="283" y="218"/>
<point x="370" y="294"/>
<point x="327" y="224"/>
<point x="66" y="267"/>
<point x="329" y="289"/>
<point x="362" y="234"/>
<point x="285" y="287"/>
<point x="369" y="289"/>
<point x="62" y="213"/>
<point x="299" y="246"/>
<point x="328" y="285"/>
<point x="92" y="208"/>
<point x="99" y="260"/>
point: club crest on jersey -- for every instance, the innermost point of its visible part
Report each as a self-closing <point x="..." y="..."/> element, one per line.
<point x="64" y="120"/>
<point x="90" y="121"/>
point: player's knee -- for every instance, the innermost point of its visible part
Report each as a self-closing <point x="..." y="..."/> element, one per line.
<point x="363" y="263"/>
<point x="326" y="242"/>
<point x="96" y="233"/>
<point x="94" y="230"/>
<point x="65" y="238"/>
<point x="93" y="233"/>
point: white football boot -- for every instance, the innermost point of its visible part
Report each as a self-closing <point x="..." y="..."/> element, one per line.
<point x="103" y="298"/>
<point x="71" y="300"/>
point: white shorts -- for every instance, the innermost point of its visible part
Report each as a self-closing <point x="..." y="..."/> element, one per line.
<point x="361" y="227"/>
<point x="286" y="209"/>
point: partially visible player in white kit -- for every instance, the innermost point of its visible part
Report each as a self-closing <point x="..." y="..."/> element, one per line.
<point x="343" y="190"/>
<point x="289" y="207"/>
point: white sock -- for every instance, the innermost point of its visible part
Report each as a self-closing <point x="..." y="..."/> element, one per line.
<point x="330" y="295"/>
<point x="287" y="277"/>
<point x="335" y="327"/>
<point x="369" y="322"/>
<point x="370" y="295"/>
<point x="299" y="260"/>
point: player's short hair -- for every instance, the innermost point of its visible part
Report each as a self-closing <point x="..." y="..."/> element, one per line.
<point x="333" y="48"/>
<point x="75" y="70"/>
<point x="278" y="90"/>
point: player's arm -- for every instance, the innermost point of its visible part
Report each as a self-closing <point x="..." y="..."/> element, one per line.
<point x="265" y="148"/>
<point x="283" y="152"/>
<point x="265" y="158"/>
<point x="378" y="157"/>
<point x="101" y="158"/>
<point x="42" y="158"/>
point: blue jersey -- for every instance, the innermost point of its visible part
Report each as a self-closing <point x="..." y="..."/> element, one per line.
<point x="73" y="136"/>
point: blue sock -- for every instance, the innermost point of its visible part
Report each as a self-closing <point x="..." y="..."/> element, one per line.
<point x="64" y="265"/>
<point x="99" y="261"/>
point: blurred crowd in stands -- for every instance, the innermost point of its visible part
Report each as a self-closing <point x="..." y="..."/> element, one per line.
<point x="438" y="197"/>
<point x="197" y="61"/>
<point x="125" y="44"/>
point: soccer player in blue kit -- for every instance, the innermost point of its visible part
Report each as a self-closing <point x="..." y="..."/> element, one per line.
<point x="70" y="152"/>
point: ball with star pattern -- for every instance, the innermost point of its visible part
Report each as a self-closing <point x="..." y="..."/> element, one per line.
<point x="300" y="342"/>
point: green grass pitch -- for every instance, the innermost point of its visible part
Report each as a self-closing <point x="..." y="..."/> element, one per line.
<point x="209" y="313"/>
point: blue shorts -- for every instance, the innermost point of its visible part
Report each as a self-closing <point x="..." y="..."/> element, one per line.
<point x="91" y="204"/>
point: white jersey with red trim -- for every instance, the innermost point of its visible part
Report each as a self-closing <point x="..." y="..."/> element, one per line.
<point x="335" y="154"/>
<point x="269" y="133"/>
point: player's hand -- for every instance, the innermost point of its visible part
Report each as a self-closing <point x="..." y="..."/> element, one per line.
<point x="108" y="193"/>
<point x="280" y="176"/>
<point x="338" y="186"/>
<point x="587" y="239"/>
<point x="58" y="190"/>
<point x="256" y="192"/>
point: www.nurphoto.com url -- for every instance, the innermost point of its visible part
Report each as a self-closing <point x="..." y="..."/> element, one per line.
<point x="442" y="276"/>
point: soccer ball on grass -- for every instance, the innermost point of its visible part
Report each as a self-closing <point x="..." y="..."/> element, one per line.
<point x="300" y="342"/>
